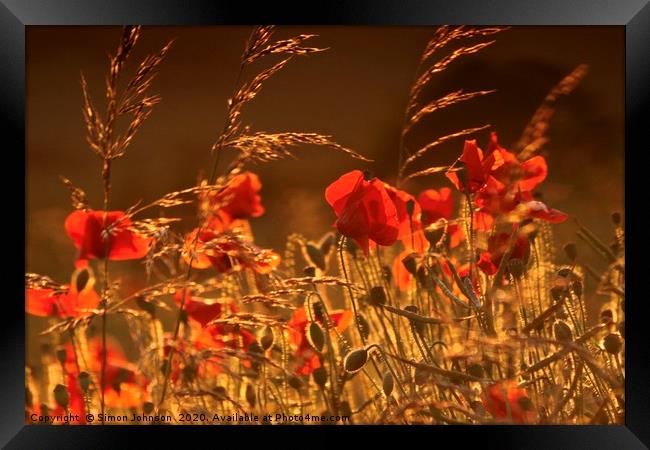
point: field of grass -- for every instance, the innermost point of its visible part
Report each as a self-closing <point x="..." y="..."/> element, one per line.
<point x="447" y="306"/>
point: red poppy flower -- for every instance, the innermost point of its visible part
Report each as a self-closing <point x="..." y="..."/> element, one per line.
<point x="308" y="359"/>
<point x="521" y="176"/>
<point x="507" y="401"/>
<point x="494" y="200"/>
<point x="410" y="227"/>
<point x="227" y="252"/>
<point x="364" y="210"/>
<point x="240" y="199"/>
<point x="80" y="296"/>
<point x="85" y="228"/>
<point x="471" y="171"/>
<point x="498" y="246"/>
<point x="436" y="204"/>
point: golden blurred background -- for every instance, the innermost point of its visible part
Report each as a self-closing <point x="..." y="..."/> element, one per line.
<point x="356" y="91"/>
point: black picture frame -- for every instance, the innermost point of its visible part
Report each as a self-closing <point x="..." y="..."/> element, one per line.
<point x="15" y="15"/>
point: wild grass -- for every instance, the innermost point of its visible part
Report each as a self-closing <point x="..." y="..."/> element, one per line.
<point x="400" y="334"/>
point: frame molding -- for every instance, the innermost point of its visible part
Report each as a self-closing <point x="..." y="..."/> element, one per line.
<point x="15" y="15"/>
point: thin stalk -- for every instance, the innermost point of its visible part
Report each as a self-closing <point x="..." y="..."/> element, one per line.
<point x="213" y="174"/>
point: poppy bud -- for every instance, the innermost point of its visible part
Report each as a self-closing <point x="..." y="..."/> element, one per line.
<point x="81" y="278"/>
<point x="621" y="329"/>
<point x="315" y="336"/>
<point x="320" y="376"/>
<point x="557" y="293"/>
<point x="606" y="316"/>
<point x="355" y="360"/>
<point x="267" y="338"/>
<point x="377" y="296"/>
<point x="613" y="343"/>
<point x="61" y="355"/>
<point x="315" y="256"/>
<point x="516" y="267"/>
<point x="410" y="263"/>
<point x="250" y="395"/>
<point x="295" y="382"/>
<point x="435" y="232"/>
<point x="147" y="407"/>
<point x="616" y="218"/>
<point x="309" y="271"/>
<point x="562" y="331"/>
<point x="145" y="305"/>
<point x="564" y="272"/>
<point x="220" y="392"/>
<point x="364" y="325"/>
<point x="388" y="383"/>
<point x="571" y="251"/>
<point x="476" y="370"/>
<point x="61" y="396"/>
<point x="84" y="381"/>
<point x="410" y="207"/>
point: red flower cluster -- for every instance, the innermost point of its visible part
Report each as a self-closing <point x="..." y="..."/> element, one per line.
<point x="370" y="211"/>
<point x="501" y="184"/>
<point x="218" y="243"/>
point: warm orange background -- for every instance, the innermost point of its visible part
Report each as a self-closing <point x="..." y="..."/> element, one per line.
<point x="356" y="91"/>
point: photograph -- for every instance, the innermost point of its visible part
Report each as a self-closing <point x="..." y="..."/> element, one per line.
<point x="325" y="225"/>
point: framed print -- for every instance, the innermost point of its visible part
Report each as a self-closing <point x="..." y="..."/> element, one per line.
<point x="370" y="216"/>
